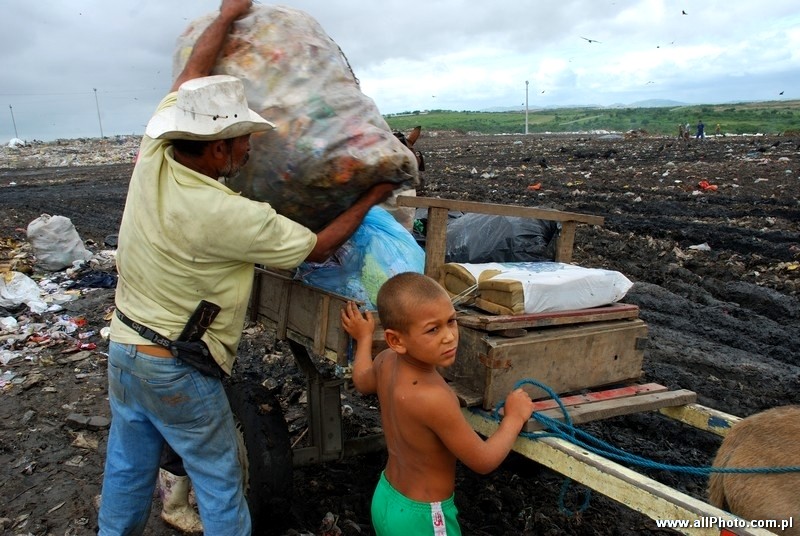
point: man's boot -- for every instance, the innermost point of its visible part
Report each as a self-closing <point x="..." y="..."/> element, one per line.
<point x="176" y="510"/>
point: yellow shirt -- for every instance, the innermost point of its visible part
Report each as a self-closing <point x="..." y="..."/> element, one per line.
<point x="186" y="237"/>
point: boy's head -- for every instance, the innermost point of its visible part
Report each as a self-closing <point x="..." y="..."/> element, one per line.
<point x="401" y="295"/>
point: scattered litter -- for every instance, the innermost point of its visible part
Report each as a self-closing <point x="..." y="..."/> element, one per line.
<point x="706" y="187"/>
<point x="17" y="288"/>
<point x="701" y="247"/>
<point x="329" y="525"/>
<point x="78" y="422"/>
<point x="56" y="507"/>
<point x="83" y="442"/>
<point x="76" y="461"/>
<point x="8" y="323"/>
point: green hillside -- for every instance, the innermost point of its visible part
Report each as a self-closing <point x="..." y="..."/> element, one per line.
<point x="772" y="117"/>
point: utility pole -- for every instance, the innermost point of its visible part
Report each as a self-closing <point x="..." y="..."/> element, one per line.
<point x="526" y="107"/>
<point x="13" y="121"/>
<point x="98" y="113"/>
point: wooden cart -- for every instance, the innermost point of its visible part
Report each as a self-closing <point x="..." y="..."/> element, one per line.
<point x="596" y="352"/>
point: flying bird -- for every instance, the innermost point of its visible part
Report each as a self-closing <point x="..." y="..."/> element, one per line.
<point x="781" y="93"/>
<point x="590" y="40"/>
<point x="683" y="12"/>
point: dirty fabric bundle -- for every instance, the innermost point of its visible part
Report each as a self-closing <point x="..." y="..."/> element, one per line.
<point x="330" y="143"/>
<point x="535" y="287"/>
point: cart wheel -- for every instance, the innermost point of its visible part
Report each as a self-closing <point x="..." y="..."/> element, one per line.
<point x="264" y="450"/>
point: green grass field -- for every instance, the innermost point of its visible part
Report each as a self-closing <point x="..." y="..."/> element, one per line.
<point x="772" y="117"/>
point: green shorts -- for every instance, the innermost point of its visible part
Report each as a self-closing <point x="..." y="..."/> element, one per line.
<point x="395" y="514"/>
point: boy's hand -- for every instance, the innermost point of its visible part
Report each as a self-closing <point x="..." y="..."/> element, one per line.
<point x="360" y="327"/>
<point x="518" y="405"/>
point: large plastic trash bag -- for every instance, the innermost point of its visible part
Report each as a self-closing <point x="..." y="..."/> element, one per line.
<point x="331" y="142"/>
<point x="380" y="248"/>
<point x="480" y="238"/>
<point x="56" y="242"/>
<point x="17" y="288"/>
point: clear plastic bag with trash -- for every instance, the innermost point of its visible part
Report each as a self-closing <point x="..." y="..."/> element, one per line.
<point x="331" y="143"/>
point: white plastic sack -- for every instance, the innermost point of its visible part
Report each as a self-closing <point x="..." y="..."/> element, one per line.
<point x="555" y="286"/>
<point x="17" y="288"/>
<point x="331" y="143"/>
<point x="55" y="242"/>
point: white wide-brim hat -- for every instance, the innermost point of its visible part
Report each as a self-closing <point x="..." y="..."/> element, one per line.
<point x="207" y="108"/>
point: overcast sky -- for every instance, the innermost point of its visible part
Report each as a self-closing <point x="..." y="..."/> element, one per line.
<point x="409" y="55"/>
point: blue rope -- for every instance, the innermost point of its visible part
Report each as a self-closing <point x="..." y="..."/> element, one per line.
<point x="567" y="431"/>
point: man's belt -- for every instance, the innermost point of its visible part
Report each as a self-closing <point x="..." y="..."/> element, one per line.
<point x="189" y="348"/>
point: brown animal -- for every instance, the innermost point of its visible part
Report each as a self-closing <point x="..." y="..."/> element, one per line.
<point x="766" y="439"/>
<point x="409" y="142"/>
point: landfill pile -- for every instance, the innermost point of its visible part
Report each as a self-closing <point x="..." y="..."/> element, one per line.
<point x="716" y="275"/>
<point x="75" y="152"/>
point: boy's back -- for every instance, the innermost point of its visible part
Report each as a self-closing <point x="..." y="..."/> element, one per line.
<point x="420" y="466"/>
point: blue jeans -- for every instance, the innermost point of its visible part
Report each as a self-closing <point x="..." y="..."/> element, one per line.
<point x="154" y="400"/>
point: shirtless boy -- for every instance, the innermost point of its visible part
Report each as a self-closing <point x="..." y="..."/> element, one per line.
<point x="422" y="421"/>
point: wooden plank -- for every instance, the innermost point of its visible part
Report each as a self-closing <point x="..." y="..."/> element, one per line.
<point x="702" y="417"/>
<point x="631" y="489"/>
<point x="605" y="409"/>
<point x="596" y="396"/>
<point x="565" y="358"/>
<point x="466" y="397"/>
<point x="284" y="297"/>
<point x="565" y="241"/>
<point x="498" y="210"/>
<point x="479" y="320"/>
<point x="321" y="325"/>
<point x="435" y="242"/>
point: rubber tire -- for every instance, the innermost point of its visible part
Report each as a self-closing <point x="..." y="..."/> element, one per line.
<point x="265" y="433"/>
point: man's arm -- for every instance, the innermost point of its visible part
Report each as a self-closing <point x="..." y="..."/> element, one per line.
<point x="206" y="49"/>
<point x="343" y="226"/>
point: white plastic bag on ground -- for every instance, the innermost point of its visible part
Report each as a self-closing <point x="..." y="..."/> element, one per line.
<point x="55" y="242"/>
<point x="331" y="143"/>
<point x="17" y="288"/>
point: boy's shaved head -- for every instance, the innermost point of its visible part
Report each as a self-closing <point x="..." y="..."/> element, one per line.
<point x="398" y="297"/>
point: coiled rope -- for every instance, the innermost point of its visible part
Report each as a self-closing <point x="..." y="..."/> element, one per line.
<point x="567" y="431"/>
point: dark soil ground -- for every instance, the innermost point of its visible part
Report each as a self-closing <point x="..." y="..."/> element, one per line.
<point x="724" y="322"/>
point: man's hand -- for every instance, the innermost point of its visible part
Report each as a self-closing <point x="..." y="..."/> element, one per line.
<point x="380" y="192"/>
<point x="345" y="224"/>
<point x="234" y="9"/>
<point x="205" y="51"/>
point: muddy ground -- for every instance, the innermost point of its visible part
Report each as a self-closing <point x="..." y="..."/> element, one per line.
<point x="724" y="321"/>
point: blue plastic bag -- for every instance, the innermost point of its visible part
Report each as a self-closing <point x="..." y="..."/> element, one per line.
<point x="380" y="248"/>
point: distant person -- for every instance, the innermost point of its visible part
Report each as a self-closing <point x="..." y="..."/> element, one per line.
<point x="718" y="130"/>
<point x="686" y="131"/>
<point x="680" y="131"/>
<point x="701" y="134"/>
<point x="422" y="421"/>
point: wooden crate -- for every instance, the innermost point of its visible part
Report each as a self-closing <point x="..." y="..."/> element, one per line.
<point x="565" y="357"/>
